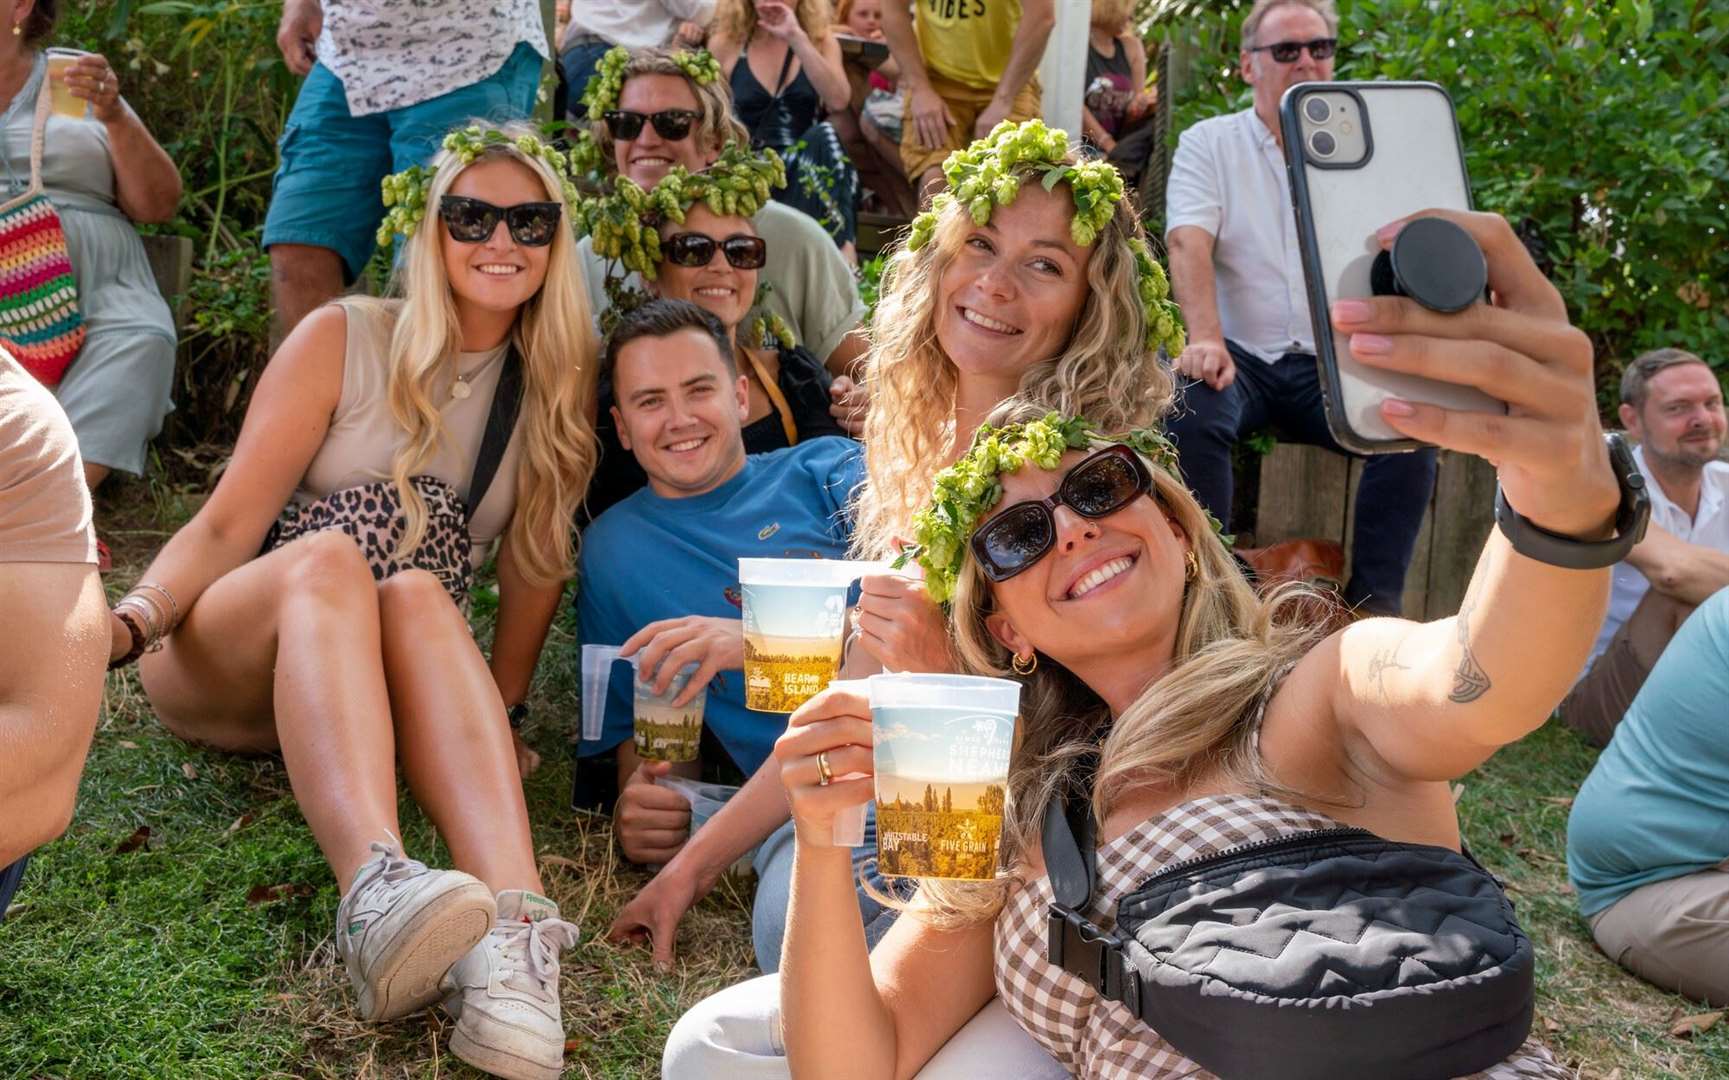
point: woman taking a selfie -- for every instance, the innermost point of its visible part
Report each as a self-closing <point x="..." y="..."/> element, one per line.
<point x="1168" y="709"/>
<point x="315" y="605"/>
<point x="972" y="314"/>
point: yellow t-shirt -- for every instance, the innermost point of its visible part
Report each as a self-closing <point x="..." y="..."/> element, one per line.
<point x="967" y="41"/>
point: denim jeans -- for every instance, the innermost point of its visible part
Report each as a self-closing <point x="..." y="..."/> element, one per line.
<point x="577" y="64"/>
<point x="1286" y="396"/>
<point x="10" y="876"/>
<point x="772" y="861"/>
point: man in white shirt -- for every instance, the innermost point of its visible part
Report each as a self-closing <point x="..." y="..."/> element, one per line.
<point x="1672" y="404"/>
<point x="385" y="81"/>
<point x="1238" y="277"/>
<point x="598" y="25"/>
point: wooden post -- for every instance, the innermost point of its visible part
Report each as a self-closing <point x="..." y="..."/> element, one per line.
<point x="171" y="264"/>
<point x="1063" y="71"/>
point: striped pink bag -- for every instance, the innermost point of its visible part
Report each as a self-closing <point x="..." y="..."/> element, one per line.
<point x="40" y="322"/>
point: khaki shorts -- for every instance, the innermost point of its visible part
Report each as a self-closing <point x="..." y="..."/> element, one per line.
<point x="1598" y="701"/>
<point x="965" y="103"/>
<point x="1674" y="934"/>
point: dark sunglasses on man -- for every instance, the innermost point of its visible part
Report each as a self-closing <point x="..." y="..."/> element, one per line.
<point x="694" y="249"/>
<point x="1285" y="52"/>
<point x="472" y="221"/>
<point x="1023" y="533"/>
<point x="670" y="124"/>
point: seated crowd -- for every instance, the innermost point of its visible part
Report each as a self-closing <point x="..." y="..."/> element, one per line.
<point x="636" y="385"/>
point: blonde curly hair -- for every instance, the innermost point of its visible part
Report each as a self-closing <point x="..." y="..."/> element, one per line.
<point x="1104" y="373"/>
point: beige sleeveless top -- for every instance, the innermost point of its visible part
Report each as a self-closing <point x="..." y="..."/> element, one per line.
<point x="363" y="437"/>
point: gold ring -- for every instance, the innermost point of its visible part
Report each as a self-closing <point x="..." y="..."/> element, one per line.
<point x="824" y="776"/>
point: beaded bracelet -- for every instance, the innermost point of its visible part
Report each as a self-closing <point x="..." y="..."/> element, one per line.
<point x="139" y="640"/>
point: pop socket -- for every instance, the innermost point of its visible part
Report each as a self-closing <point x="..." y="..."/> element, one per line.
<point x="1435" y="263"/>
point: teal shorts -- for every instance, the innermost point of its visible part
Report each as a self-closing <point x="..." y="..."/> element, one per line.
<point x="326" y="191"/>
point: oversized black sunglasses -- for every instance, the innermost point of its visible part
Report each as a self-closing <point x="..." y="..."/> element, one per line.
<point x="1022" y="534"/>
<point x="1286" y="51"/>
<point x="670" y="124"/>
<point x="471" y="221"/>
<point x="694" y="249"/>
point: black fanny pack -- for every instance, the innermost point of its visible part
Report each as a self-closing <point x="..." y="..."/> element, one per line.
<point x="1325" y="954"/>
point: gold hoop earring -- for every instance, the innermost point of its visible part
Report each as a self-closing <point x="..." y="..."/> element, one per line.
<point x="1194" y="565"/>
<point x="1027" y="666"/>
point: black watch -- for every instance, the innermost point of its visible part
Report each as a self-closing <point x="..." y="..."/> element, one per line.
<point x="1539" y="543"/>
<point x="517" y="714"/>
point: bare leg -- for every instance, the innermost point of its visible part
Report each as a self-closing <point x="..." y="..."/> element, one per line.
<point x="452" y="734"/>
<point x="930" y="183"/>
<point x="284" y="652"/>
<point x="301" y="278"/>
<point x="94" y="474"/>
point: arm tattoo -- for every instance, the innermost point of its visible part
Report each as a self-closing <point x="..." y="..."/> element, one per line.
<point x="1379" y="665"/>
<point x="1470" y="681"/>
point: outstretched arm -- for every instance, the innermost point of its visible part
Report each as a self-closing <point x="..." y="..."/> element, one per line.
<point x="1435" y="700"/>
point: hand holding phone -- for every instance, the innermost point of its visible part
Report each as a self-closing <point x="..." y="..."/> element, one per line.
<point x="1361" y="157"/>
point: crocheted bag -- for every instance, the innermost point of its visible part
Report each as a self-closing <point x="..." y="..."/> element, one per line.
<point x="40" y="322"/>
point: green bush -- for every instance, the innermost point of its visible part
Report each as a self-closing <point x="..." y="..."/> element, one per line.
<point x="208" y="81"/>
<point x="1600" y="129"/>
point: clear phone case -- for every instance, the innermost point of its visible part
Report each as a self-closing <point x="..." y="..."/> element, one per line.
<point x="1412" y="159"/>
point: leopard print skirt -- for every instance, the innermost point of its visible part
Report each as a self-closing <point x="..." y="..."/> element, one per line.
<point x="372" y="515"/>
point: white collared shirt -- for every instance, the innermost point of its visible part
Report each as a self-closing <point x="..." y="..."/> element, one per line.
<point x="1708" y="528"/>
<point x="635" y="24"/>
<point x="391" y="54"/>
<point x="1228" y="177"/>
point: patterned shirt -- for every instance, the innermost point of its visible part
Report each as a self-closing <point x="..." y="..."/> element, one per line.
<point x="1095" y="1038"/>
<point x="391" y="54"/>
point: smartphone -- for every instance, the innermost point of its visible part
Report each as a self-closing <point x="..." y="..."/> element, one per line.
<point x="1360" y="155"/>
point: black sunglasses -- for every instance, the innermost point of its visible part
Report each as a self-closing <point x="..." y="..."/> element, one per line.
<point x="1286" y="51"/>
<point x="670" y="124"/>
<point x="1022" y="534"/>
<point x="694" y="249"/>
<point x="471" y="221"/>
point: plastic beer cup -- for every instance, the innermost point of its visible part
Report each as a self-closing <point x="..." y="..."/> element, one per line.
<point x="60" y="97"/>
<point x="794" y="625"/>
<point x="664" y="731"/>
<point x="941" y="748"/>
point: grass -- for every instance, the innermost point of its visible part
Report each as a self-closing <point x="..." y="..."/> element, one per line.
<point x="202" y="949"/>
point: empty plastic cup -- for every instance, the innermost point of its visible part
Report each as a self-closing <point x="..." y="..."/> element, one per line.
<point x="794" y="625"/>
<point x="849" y="823"/>
<point x="941" y="747"/>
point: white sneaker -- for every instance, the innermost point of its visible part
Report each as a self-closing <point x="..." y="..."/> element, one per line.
<point x="504" y="993"/>
<point x="402" y="926"/>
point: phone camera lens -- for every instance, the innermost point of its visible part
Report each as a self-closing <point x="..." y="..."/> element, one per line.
<point x="1323" y="144"/>
<point x="1317" y="109"/>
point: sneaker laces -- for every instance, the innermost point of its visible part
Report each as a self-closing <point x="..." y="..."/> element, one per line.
<point x="393" y="869"/>
<point x="531" y="949"/>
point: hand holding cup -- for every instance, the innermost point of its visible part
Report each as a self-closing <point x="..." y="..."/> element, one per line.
<point x="835" y="725"/>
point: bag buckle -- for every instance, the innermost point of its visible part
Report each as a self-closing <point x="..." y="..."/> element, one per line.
<point x="1076" y="945"/>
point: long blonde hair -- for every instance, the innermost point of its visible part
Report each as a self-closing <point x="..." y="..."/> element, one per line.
<point x="1198" y="720"/>
<point x="736" y="19"/>
<point x="553" y="336"/>
<point x="1104" y="373"/>
<point x="715" y="126"/>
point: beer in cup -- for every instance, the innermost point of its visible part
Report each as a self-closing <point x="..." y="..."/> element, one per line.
<point x="60" y="97"/>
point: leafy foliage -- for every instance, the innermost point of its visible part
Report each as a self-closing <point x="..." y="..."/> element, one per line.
<point x="1600" y="129"/>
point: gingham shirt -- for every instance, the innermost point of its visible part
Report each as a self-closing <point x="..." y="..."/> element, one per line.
<point x="1095" y="1038"/>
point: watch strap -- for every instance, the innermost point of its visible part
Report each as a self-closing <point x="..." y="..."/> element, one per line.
<point x="1535" y="542"/>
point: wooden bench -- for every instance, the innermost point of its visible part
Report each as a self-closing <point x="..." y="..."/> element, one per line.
<point x="171" y="262"/>
<point x="1306" y="491"/>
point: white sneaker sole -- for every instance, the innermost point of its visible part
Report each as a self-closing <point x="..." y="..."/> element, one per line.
<point x="500" y="1062"/>
<point x="407" y="975"/>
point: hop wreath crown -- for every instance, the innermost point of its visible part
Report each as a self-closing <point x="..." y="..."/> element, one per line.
<point x="601" y="94"/>
<point x="964" y="492"/>
<point x="405" y="192"/>
<point x="622" y="223"/>
<point x="988" y="174"/>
